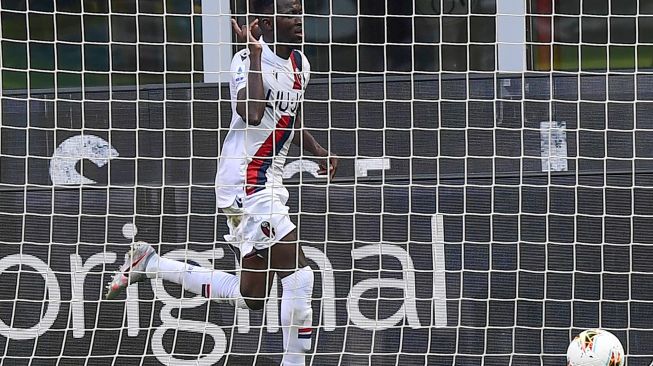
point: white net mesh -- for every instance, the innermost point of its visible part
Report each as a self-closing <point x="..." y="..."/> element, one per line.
<point x="493" y="196"/>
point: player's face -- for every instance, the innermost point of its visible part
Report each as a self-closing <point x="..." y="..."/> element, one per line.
<point x="288" y="21"/>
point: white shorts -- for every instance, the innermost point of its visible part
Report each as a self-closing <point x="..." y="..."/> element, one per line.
<point x="258" y="221"/>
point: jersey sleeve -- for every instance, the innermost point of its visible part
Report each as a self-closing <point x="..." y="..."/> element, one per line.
<point x="239" y="70"/>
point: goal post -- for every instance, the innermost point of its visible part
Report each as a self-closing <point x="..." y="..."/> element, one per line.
<point x="492" y="198"/>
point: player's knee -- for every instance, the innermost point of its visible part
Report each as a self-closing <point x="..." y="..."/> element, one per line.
<point x="287" y="256"/>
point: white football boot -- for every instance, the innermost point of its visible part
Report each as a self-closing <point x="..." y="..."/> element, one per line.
<point x="133" y="270"/>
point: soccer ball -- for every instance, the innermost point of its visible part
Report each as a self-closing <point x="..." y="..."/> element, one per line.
<point x="595" y="347"/>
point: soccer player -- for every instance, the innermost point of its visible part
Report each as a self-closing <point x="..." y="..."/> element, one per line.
<point x="267" y="87"/>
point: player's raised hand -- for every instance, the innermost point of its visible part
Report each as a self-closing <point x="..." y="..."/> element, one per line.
<point x="329" y="165"/>
<point x="248" y="34"/>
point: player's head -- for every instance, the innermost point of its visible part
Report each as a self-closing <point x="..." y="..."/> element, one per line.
<point x="283" y="24"/>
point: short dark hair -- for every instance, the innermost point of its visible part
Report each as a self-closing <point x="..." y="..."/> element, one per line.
<point x="262" y="6"/>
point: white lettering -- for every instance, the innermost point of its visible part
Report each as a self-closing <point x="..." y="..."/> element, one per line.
<point x="53" y="296"/>
<point x="407" y="284"/>
<point x="78" y="273"/>
<point x="365" y="165"/>
<point x="439" y="276"/>
<point x="242" y="315"/>
<point x="129" y="231"/>
<point x="75" y="149"/>
<point x="272" y="307"/>
<point x="171" y="317"/>
<point x="301" y="165"/>
<point x="553" y="146"/>
<point x="133" y="312"/>
<point x="328" y="286"/>
<point x="169" y="322"/>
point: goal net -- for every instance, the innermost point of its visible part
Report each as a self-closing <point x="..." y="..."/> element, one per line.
<point x="493" y="196"/>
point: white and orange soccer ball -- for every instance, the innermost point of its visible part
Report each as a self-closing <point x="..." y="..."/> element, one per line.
<point x="595" y="347"/>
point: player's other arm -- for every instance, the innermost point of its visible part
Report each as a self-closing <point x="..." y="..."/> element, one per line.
<point x="251" y="98"/>
<point x="305" y="140"/>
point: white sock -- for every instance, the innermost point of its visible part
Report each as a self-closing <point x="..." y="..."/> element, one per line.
<point x="212" y="284"/>
<point x="297" y="316"/>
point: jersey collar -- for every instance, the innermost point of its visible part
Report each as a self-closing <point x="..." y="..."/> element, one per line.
<point x="269" y="54"/>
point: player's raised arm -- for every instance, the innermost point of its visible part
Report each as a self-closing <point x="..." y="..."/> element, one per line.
<point x="251" y="98"/>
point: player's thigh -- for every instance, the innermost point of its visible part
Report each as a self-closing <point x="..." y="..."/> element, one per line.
<point x="255" y="281"/>
<point x="286" y="256"/>
<point x="270" y="241"/>
<point x="258" y="267"/>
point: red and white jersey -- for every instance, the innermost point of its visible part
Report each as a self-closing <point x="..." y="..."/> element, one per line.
<point x="253" y="157"/>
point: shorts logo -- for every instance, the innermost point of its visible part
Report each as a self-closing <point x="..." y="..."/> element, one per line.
<point x="239" y="76"/>
<point x="267" y="229"/>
